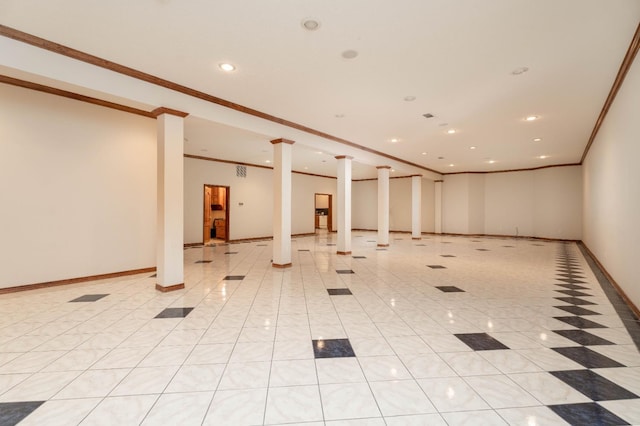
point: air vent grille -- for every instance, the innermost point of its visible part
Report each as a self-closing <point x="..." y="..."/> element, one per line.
<point x="241" y="171"/>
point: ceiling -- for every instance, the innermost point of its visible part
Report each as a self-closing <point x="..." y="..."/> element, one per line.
<point x="456" y="58"/>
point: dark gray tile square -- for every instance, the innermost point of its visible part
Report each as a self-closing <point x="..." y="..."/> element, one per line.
<point x="570" y="275"/>
<point x="381" y="249"/>
<point x="573" y="286"/>
<point x="12" y="413"/>
<point x="577" y="310"/>
<point x="304" y="250"/>
<point x="480" y="341"/>
<point x="89" y="298"/>
<point x="436" y="267"/>
<point x="447" y="255"/>
<point x="539" y="245"/>
<point x="339" y="291"/>
<point x="359" y="257"/>
<point x="476" y="241"/>
<point x="575" y="301"/>
<point x="344" y="271"/>
<point x="230" y="252"/>
<point x="509" y="246"/>
<point x="580" y="322"/>
<point x="583" y="338"/>
<point x="154" y="276"/>
<point x="588" y="413"/>
<point x="571" y="281"/>
<point x="421" y="245"/>
<point x="371" y="241"/>
<point x="574" y="293"/>
<point x="261" y="245"/>
<point x="446" y="242"/>
<point x="593" y="385"/>
<point x="587" y="358"/>
<point x="203" y="261"/>
<point x="331" y="244"/>
<point x="483" y="250"/>
<point x="332" y="348"/>
<point x="449" y="289"/>
<point x="234" y="278"/>
<point x="174" y="313"/>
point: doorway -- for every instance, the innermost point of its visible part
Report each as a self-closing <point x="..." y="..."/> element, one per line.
<point x="323" y="212"/>
<point x="215" y="214"/>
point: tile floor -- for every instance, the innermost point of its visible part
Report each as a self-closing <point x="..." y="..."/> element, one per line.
<point x="444" y="331"/>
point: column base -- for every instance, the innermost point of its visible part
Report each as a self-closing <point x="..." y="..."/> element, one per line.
<point x="169" y="288"/>
<point x="281" y="266"/>
<point x="383" y="245"/>
<point x="344" y="253"/>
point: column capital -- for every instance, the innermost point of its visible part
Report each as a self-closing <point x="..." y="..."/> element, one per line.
<point x="163" y="110"/>
<point x="383" y="167"/>
<point x="282" y="140"/>
<point x="415" y="175"/>
<point x="436" y="181"/>
<point x="344" y="157"/>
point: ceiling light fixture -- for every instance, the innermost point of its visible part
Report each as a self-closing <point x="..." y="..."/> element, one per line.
<point x="451" y="131"/>
<point x="267" y="161"/>
<point x="532" y="118"/>
<point x="394" y="140"/>
<point x="542" y="157"/>
<point x="537" y="139"/>
<point x="227" y="67"/>
<point x="349" y="54"/>
<point x="424" y="153"/>
<point x="472" y="147"/>
<point x="451" y="165"/>
<point x="310" y="24"/>
<point x="491" y="161"/>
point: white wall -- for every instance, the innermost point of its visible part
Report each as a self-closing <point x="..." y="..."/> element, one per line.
<point x="254" y="218"/>
<point x="78" y="185"/>
<point x="545" y="203"/>
<point x="612" y="189"/>
<point x="364" y="205"/>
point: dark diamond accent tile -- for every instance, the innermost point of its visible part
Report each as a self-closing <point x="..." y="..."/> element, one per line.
<point x="539" y="245"/>
<point x="381" y="249"/>
<point x="12" y="413"/>
<point x="233" y="278"/>
<point x="577" y="310"/>
<point x="154" y="276"/>
<point x="588" y="358"/>
<point x="509" y="246"/>
<point x="359" y="257"/>
<point x="371" y="241"/>
<point x="203" y="261"/>
<point x="570" y="275"/>
<point x="587" y="414"/>
<point x="174" y="313"/>
<point x="421" y="245"/>
<point x="344" y="271"/>
<point x="447" y="255"/>
<point x="571" y="281"/>
<point x="583" y="338"/>
<point x="593" y="385"/>
<point x="446" y="242"/>
<point x="332" y="348"/>
<point x="573" y="286"/>
<point x="89" y="298"/>
<point x="580" y="322"/>
<point x="574" y="293"/>
<point x="575" y="301"/>
<point x="304" y="250"/>
<point x="476" y="241"/>
<point x="398" y="239"/>
<point x="436" y="267"/>
<point x="480" y="341"/>
<point x="261" y="245"/>
<point x="483" y="250"/>
<point x="449" y="289"/>
<point x="339" y="291"/>
<point x="330" y="245"/>
<point x="230" y="252"/>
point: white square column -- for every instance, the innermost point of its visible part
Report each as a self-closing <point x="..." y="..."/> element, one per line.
<point x="344" y="204"/>
<point x="416" y="207"/>
<point x="170" y="225"/>
<point x="383" y="206"/>
<point x="438" y="206"/>
<point x="282" y="203"/>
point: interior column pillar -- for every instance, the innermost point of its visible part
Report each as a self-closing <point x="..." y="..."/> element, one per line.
<point x="282" y="203"/>
<point x="344" y="204"/>
<point x="438" y="206"/>
<point x="170" y="187"/>
<point x="383" y="206"/>
<point x="416" y="207"/>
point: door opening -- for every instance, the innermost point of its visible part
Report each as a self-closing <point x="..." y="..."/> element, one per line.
<point x="323" y="212"/>
<point x="215" y="214"/>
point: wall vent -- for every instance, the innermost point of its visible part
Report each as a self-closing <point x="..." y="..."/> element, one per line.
<point x="241" y="171"/>
<point x="428" y="115"/>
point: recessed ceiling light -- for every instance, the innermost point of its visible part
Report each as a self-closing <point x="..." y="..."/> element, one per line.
<point x="491" y="161"/>
<point x="318" y="152"/>
<point x="349" y="54"/>
<point x="537" y="139"/>
<point x="409" y="98"/>
<point x="267" y="161"/>
<point x="393" y="170"/>
<point x="532" y="118"/>
<point x="520" y="70"/>
<point x="424" y="153"/>
<point x="451" y="165"/>
<point x="306" y="168"/>
<point x="542" y="157"/>
<point x="451" y="131"/>
<point x="310" y="24"/>
<point x="394" y="140"/>
<point x="472" y="147"/>
<point x="227" y="67"/>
